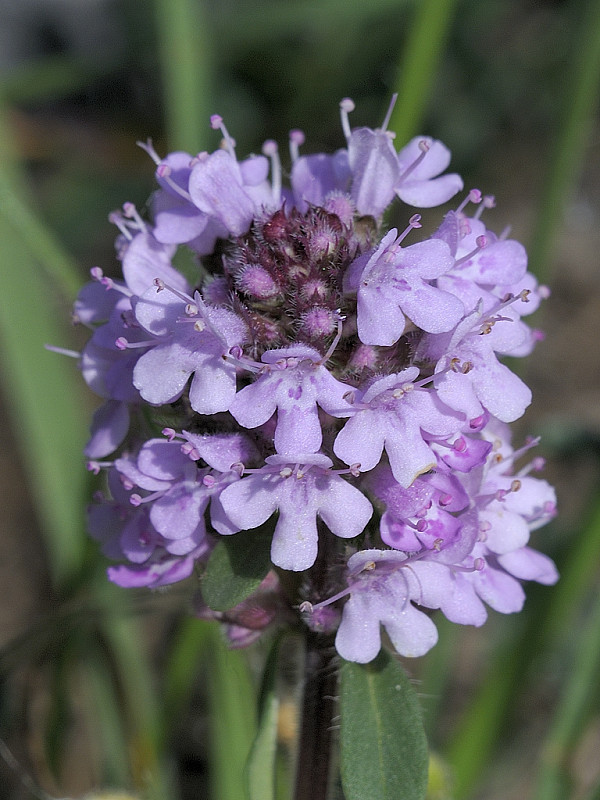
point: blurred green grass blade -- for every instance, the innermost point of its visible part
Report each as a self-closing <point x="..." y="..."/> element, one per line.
<point x="182" y="668"/>
<point x="46" y="78"/>
<point x="104" y="711"/>
<point x="577" y="576"/>
<point x="232" y="699"/>
<point x="422" y="55"/>
<point x="38" y="242"/>
<point x="580" y="93"/>
<point x="573" y="711"/>
<point x="478" y="730"/>
<point x="140" y="700"/>
<point x="261" y="769"/>
<point x="247" y="29"/>
<point x="59" y="714"/>
<point x="185" y="47"/>
<point x="44" y="394"/>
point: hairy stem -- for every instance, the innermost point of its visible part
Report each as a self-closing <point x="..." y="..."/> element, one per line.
<point x="314" y="752"/>
<point x="319" y="686"/>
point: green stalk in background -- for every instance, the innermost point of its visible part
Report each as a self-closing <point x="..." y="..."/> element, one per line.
<point x="423" y="53"/>
<point x="580" y="99"/>
<point x="185" y="48"/>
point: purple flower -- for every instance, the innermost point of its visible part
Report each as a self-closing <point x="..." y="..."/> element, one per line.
<point x="488" y="385"/>
<point x="393" y="413"/>
<point x="191" y="338"/>
<point x="294" y="383"/>
<point x="382" y="586"/>
<point x="300" y="489"/>
<point x="309" y="338"/>
<point x="395" y="283"/>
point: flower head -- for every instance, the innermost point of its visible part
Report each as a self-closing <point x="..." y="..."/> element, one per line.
<point x="322" y="379"/>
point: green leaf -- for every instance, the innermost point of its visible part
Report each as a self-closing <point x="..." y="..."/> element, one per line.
<point x="262" y="760"/>
<point x="383" y="743"/>
<point x="236" y="567"/>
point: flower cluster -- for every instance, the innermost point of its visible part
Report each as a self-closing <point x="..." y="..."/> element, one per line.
<point x="324" y="375"/>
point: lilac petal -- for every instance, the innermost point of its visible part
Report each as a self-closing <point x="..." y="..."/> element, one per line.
<point x="95" y="303"/>
<point x="315" y="176"/>
<point x="358" y="637"/>
<point x="181" y="547"/>
<point x="502" y="262"/>
<point x="179" y="171"/>
<point x="127" y="467"/>
<point x="179" y="512"/>
<point x="409" y="455"/>
<point x="499" y="590"/>
<point x="360" y="441"/>
<point x="221" y="450"/>
<point x="162" y="460"/>
<point x="508" y="531"/>
<point x="344" y="509"/>
<point x="450" y="592"/>
<point x="501" y="392"/>
<point x="176" y="220"/>
<point x="216" y="188"/>
<point x="161" y="573"/>
<point x="380" y="320"/>
<point x="432" y="309"/>
<point x="473" y="455"/>
<point x="375" y="170"/>
<point x="298" y="429"/>
<point x="254" y="404"/>
<point x="147" y="259"/>
<point x="411" y="632"/>
<point x="138" y="539"/>
<point x="249" y="502"/>
<point x="213" y="386"/>
<point x="427" y="194"/>
<point x="254" y="170"/>
<point x="109" y="427"/>
<point x="219" y="519"/>
<point x="436" y="160"/>
<point x="161" y="374"/>
<point x="295" y="541"/>
<point x="529" y="565"/>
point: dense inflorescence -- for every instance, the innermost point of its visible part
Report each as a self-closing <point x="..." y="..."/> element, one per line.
<point x="323" y="375"/>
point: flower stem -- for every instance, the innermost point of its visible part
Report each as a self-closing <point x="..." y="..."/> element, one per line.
<point x="320" y="687"/>
<point x="313" y="766"/>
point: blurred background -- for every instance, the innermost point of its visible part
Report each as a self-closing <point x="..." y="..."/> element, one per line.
<point x="102" y="688"/>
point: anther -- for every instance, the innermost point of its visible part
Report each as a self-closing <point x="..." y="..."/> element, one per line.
<point x="297" y="139"/>
<point x="216" y="123"/>
<point x="170" y="433"/>
<point x="481" y="242"/>
<point x="474" y="196"/>
<point x="488" y="201"/>
<point x="346" y="107"/>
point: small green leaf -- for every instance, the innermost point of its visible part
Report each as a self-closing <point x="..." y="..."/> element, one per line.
<point x="237" y="566"/>
<point x="262" y="760"/>
<point x="383" y="744"/>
